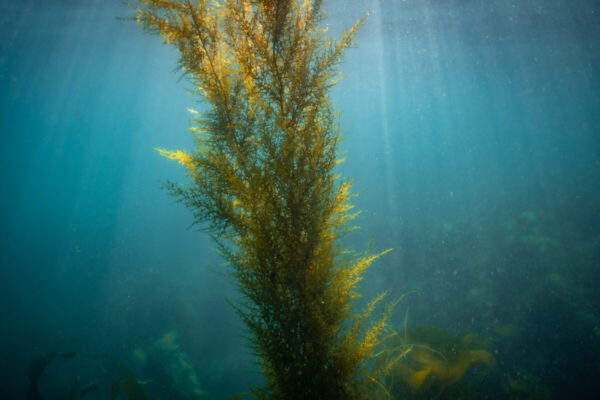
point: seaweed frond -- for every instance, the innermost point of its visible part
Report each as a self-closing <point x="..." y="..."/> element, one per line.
<point x="263" y="183"/>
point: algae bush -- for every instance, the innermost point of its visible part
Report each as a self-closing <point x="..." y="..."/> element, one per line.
<point x="263" y="182"/>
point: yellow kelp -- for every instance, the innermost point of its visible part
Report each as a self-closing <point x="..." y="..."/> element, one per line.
<point x="426" y="358"/>
<point x="264" y="183"/>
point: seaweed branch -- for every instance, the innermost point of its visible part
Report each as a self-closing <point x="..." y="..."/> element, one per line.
<point x="264" y="184"/>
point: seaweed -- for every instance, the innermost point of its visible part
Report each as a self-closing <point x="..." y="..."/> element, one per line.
<point x="126" y="382"/>
<point x="129" y="386"/>
<point x="168" y="369"/>
<point x="423" y="361"/>
<point x="264" y="186"/>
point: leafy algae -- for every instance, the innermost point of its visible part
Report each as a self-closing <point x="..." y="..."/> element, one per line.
<point x="263" y="182"/>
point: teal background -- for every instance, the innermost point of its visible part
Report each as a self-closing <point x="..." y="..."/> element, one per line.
<point x="471" y="130"/>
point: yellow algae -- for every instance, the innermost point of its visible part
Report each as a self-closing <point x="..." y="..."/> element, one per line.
<point x="417" y="378"/>
<point x="264" y="183"/>
<point x="181" y="157"/>
<point x="426" y="359"/>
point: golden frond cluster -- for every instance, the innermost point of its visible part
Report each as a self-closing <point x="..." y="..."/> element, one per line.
<point x="264" y="183"/>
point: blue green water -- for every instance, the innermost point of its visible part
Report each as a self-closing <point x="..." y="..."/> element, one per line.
<point x="472" y="131"/>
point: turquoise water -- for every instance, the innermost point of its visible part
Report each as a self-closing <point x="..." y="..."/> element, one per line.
<point x="472" y="131"/>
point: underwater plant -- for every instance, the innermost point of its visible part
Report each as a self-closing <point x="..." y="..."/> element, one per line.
<point x="264" y="183"/>
<point x="426" y="362"/>
<point x="168" y="370"/>
<point x="125" y="382"/>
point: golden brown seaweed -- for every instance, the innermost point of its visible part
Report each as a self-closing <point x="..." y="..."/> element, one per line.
<point x="426" y="359"/>
<point x="264" y="184"/>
